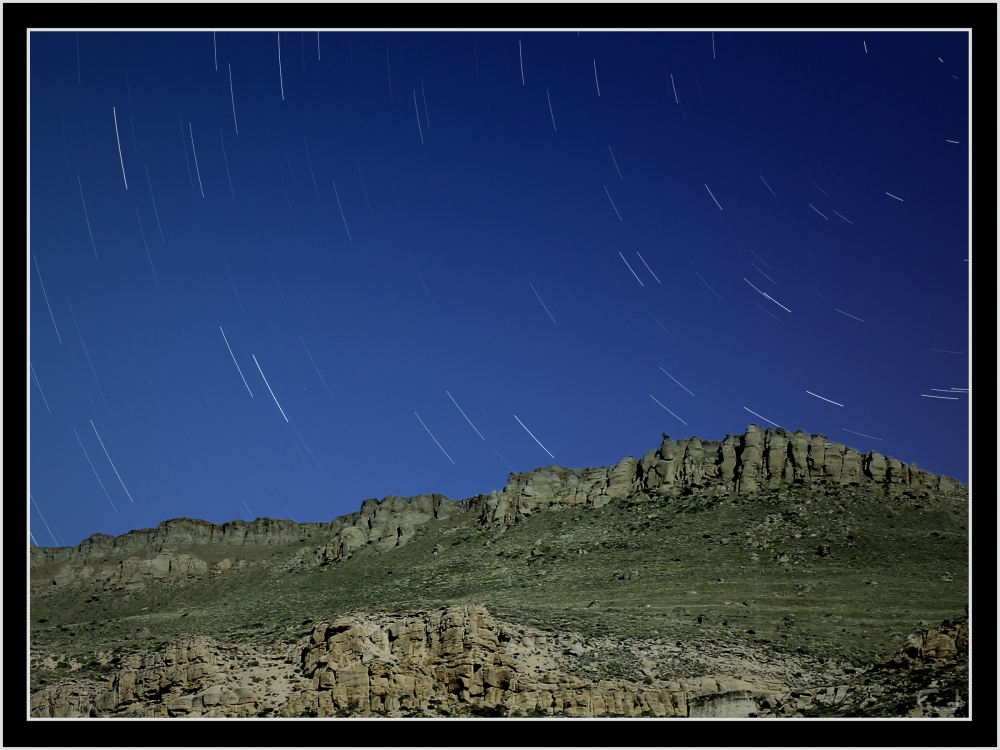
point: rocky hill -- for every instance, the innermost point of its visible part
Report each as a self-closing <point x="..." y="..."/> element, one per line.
<point x="706" y="578"/>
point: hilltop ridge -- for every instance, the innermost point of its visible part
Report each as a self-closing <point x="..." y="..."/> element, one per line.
<point x="760" y="574"/>
<point x="758" y="460"/>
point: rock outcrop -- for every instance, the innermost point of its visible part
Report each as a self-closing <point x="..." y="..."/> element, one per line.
<point x="757" y="461"/>
<point x="387" y="523"/>
<point x="457" y="660"/>
<point x="452" y="658"/>
<point x="761" y="460"/>
<point x="70" y="699"/>
<point x="192" y="676"/>
<point x="948" y="642"/>
<point x="928" y="677"/>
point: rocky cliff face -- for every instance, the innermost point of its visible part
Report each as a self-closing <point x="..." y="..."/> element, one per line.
<point x="138" y="557"/>
<point x="460" y="661"/>
<point x="453" y="661"/>
<point x="757" y="461"/>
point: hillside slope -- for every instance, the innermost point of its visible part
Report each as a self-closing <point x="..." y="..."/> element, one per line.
<point x="766" y="563"/>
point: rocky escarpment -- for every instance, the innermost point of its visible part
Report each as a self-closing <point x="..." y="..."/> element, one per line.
<point x="460" y="661"/>
<point x="135" y="559"/>
<point x="457" y="660"/>
<point x="757" y="461"/>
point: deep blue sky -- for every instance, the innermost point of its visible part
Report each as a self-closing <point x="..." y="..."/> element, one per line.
<point x="456" y="242"/>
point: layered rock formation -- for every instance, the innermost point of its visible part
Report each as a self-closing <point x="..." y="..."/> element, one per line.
<point x="459" y="660"/>
<point x="138" y="557"/>
<point x="757" y="461"/>
<point x="452" y="661"/>
<point x="459" y="655"/>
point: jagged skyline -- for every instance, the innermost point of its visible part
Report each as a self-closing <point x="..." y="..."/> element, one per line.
<point x="757" y="461"/>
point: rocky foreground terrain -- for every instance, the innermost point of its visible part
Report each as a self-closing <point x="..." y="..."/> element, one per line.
<point x="773" y="574"/>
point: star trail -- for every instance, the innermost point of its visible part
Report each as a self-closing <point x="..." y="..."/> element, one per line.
<point x="513" y="224"/>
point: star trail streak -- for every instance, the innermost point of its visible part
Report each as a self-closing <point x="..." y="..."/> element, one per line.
<point x="237" y="363"/>
<point x="87" y="217"/>
<point x="35" y="378"/>
<point x="94" y="470"/>
<point x="434" y="438"/>
<point x="668" y="410"/>
<point x="269" y="388"/>
<point x="119" y="140"/>
<point x="110" y="461"/>
<point x="532" y="436"/>
<point x="613" y="204"/>
<point x="463" y="414"/>
<point x="540" y="300"/>
<point x="45" y="294"/>
<point x="491" y="202"/>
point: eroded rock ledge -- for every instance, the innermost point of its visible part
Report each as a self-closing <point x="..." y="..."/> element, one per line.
<point x="757" y="461"/>
<point x="460" y="661"/>
<point x="387" y="523"/>
<point x="451" y="661"/>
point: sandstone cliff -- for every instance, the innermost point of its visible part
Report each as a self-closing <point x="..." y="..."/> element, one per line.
<point x="460" y="661"/>
<point x="138" y="557"/>
<point x="453" y="661"/>
<point x="756" y="462"/>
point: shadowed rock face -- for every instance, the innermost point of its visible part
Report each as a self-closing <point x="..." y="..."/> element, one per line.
<point x="736" y="704"/>
<point x="949" y="641"/>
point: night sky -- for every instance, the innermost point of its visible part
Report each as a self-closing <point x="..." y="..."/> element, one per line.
<point x="430" y="244"/>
